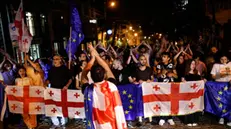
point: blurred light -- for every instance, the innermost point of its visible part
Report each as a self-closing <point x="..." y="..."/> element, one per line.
<point x="116" y="37"/>
<point x="42" y="16"/>
<point x="133" y="30"/>
<point x="160" y="35"/>
<point x="61" y="17"/>
<point x="156" y="33"/>
<point x="94" y="21"/>
<point x="145" y="37"/>
<point x="152" y="35"/>
<point x="31" y="58"/>
<point x="149" y="37"/>
<point x="135" y="34"/>
<point x="130" y="27"/>
<point x="119" y="39"/>
<point x="139" y="26"/>
<point x="109" y="32"/>
<point x="112" y="4"/>
<point x="104" y="33"/>
<point x="28" y="14"/>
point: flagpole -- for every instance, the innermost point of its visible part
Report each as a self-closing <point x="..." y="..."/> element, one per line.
<point x="20" y="40"/>
<point x="69" y="52"/>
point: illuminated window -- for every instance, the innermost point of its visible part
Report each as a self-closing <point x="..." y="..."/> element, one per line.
<point x="30" y="23"/>
<point x="35" y="51"/>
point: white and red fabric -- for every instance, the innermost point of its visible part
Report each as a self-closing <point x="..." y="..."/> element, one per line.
<point x="108" y="112"/>
<point x="24" y="36"/>
<point x="169" y="99"/>
<point x="65" y="103"/>
<point x="25" y="99"/>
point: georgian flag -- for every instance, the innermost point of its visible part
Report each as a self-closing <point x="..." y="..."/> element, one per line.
<point x="24" y="36"/>
<point x="168" y="99"/>
<point x="25" y="99"/>
<point x="66" y="103"/>
<point x="108" y="112"/>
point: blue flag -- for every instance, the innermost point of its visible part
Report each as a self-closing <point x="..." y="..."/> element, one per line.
<point x="131" y="97"/>
<point x="77" y="35"/>
<point x="218" y="99"/>
<point x="88" y="102"/>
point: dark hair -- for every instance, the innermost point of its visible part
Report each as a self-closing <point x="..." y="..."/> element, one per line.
<point x="223" y="54"/>
<point x="18" y="68"/>
<point x="97" y="73"/>
<point x="166" y="54"/>
<point x="188" y="68"/>
<point x="6" y="63"/>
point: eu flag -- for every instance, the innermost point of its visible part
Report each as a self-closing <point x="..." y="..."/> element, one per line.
<point x="131" y="97"/>
<point x="218" y="98"/>
<point x="76" y="36"/>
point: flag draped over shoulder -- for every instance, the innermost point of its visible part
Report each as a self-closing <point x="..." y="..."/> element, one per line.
<point x="24" y="36"/>
<point x="66" y="103"/>
<point x="218" y="99"/>
<point x="169" y="99"/>
<point x="131" y="97"/>
<point x="106" y="111"/>
<point x="76" y="36"/>
<point x="26" y="99"/>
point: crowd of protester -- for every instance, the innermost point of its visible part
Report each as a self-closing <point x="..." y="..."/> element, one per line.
<point x="162" y="61"/>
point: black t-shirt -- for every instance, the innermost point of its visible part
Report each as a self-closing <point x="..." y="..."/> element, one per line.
<point x="59" y="76"/>
<point x="117" y="74"/>
<point x="192" y="77"/>
<point x="169" y="68"/>
<point x="142" y="75"/>
<point x="180" y="68"/>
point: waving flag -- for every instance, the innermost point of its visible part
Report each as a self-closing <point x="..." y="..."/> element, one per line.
<point x="76" y="36"/>
<point x="25" y="99"/>
<point x="167" y="99"/>
<point x="66" y="103"/>
<point x="218" y="98"/>
<point x="106" y="111"/>
<point x="24" y="36"/>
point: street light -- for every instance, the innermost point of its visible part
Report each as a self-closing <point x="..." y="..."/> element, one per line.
<point x="112" y="4"/>
<point x="130" y="28"/>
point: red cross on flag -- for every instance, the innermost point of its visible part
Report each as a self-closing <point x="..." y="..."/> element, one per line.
<point x="168" y="99"/>
<point x="24" y="36"/>
<point x="25" y="99"/>
<point x="67" y="103"/>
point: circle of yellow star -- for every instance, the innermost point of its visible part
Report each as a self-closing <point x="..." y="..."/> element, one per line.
<point x="130" y="107"/>
<point x="124" y="92"/>
<point x="220" y="92"/>
<point x="224" y="111"/>
<point x="131" y="101"/>
<point x="130" y="95"/>
<point x="220" y="105"/>
<point x="225" y="88"/>
<point x="218" y="98"/>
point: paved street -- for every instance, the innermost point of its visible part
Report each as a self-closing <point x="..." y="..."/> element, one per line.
<point x="206" y="122"/>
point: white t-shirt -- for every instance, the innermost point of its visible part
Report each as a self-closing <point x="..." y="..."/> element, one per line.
<point x="219" y="68"/>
